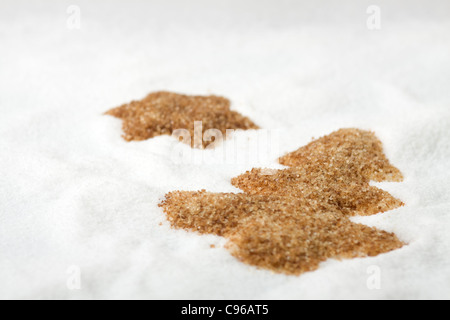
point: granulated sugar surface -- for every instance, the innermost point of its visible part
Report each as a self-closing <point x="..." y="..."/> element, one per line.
<point x="75" y="196"/>
<point x="294" y="219"/>
<point x="160" y="113"/>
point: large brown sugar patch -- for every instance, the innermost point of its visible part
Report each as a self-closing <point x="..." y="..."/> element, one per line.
<point x="296" y="218"/>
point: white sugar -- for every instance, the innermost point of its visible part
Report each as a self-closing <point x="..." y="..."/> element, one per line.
<point x="78" y="204"/>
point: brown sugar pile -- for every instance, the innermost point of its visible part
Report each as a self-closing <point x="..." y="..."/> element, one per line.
<point x="160" y="113"/>
<point x="330" y="192"/>
<point x="222" y="213"/>
<point x="297" y="242"/>
<point x="296" y="218"/>
<point x="334" y="171"/>
<point x="350" y="150"/>
<point x="284" y="235"/>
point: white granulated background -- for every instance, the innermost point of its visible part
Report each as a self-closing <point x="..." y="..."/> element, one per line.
<point x="78" y="205"/>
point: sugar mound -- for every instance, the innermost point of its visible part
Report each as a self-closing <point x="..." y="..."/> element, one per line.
<point x="294" y="219"/>
<point x="161" y="113"/>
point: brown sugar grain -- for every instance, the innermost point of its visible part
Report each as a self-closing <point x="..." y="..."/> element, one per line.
<point x="292" y="220"/>
<point x="160" y="113"/>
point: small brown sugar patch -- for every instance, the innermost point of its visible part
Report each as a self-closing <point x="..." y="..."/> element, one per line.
<point x="334" y="171"/>
<point x="350" y="151"/>
<point x="348" y="194"/>
<point x="222" y="213"/>
<point x="293" y="219"/>
<point x="161" y="113"/>
<point x="212" y="246"/>
<point x="293" y="243"/>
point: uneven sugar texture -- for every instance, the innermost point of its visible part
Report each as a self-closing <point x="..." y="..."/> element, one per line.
<point x="160" y="113"/>
<point x="292" y="220"/>
<point x="297" y="242"/>
<point x="274" y="232"/>
<point x="346" y="152"/>
<point x="329" y="190"/>
<point x="333" y="171"/>
<point x="222" y="213"/>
